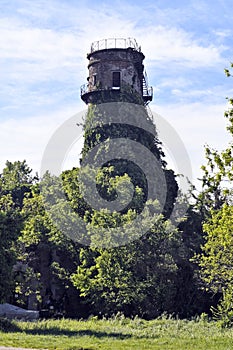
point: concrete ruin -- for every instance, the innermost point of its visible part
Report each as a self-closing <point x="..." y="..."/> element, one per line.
<point x="14" y="312"/>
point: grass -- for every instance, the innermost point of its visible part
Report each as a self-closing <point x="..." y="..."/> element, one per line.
<point x="118" y="333"/>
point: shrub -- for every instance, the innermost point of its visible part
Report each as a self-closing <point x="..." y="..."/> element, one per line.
<point x="7" y="326"/>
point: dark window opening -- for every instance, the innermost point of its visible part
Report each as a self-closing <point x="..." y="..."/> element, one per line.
<point x="116" y="79"/>
<point x="94" y="79"/>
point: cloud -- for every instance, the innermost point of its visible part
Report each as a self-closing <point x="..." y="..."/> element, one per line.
<point x="178" y="47"/>
<point x="223" y="33"/>
<point x="39" y="52"/>
<point x="43" y="63"/>
<point x="43" y="52"/>
<point x="26" y="138"/>
<point x="197" y="124"/>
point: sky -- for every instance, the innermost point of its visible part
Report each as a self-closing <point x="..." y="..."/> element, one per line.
<point x="43" y="49"/>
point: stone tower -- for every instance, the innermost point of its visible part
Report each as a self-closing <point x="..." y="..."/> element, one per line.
<point x="117" y="94"/>
<point x="116" y="73"/>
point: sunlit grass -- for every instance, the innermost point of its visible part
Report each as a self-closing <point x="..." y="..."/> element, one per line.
<point x="118" y="333"/>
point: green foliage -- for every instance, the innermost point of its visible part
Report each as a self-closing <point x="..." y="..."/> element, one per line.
<point x="216" y="199"/>
<point x="15" y="182"/>
<point x="223" y="313"/>
<point x="49" y="256"/>
<point x="218" y="172"/>
<point x="151" y="274"/>
<point x="125" y="271"/>
<point x="132" y="279"/>
<point x="216" y="258"/>
<point x="7" y="255"/>
<point x="217" y="179"/>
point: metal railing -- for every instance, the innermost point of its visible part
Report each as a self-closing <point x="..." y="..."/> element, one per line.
<point x="84" y="89"/>
<point x="146" y="89"/>
<point x="148" y="92"/>
<point x="115" y="43"/>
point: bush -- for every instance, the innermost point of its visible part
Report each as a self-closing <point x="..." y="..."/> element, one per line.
<point x="7" y="326"/>
<point x="223" y="313"/>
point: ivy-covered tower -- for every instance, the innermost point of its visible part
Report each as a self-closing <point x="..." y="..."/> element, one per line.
<point x="117" y="94"/>
<point x="116" y="73"/>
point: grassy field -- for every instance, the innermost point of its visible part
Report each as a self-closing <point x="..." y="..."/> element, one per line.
<point x="118" y="333"/>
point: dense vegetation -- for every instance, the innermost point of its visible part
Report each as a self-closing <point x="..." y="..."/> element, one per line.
<point x="183" y="270"/>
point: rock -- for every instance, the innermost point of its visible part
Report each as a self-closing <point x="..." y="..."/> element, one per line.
<point x="11" y="312"/>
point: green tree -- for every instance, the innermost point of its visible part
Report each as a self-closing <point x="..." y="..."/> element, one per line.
<point x="15" y="183"/>
<point x="216" y="200"/>
<point x="136" y="279"/>
<point x="218" y="171"/>
<point x="47" y="254"/>
<point x="9" y="230"/>
<point x="151" y="274"/>
<point x="16" y="180"/>
<point x="216" y="260"/>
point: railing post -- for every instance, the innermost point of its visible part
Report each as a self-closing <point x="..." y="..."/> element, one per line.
<point x="114" y="43"/>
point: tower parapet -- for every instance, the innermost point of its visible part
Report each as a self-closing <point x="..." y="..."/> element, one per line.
<point x="116" y="73"/>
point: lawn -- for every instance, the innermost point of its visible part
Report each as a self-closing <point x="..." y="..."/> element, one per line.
<point x="118" y="333"/>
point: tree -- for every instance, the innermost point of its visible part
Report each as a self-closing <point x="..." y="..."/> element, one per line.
<point x="136" y="275"/>
<point x="8" y="234"/>
<point x="215" y="260"/>
<point x="136" y="279"/>
<point x="218" y="172"/>
<point x="144" y="275"/>
<point x="49" y="257"/>
<point x="15" y="182"/>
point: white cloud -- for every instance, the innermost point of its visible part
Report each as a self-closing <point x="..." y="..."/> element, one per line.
<point x="43" y="52"/>
<point x="26" y="138"/>
<point x="40" y="44"/>
<point x="195" y="93"/>
<point x="224" y="33"/>
<point x="41" y="47"/>
<point x="34" y="54"/>
<point x="197" y="124"/>
<point x="177" y="46"/>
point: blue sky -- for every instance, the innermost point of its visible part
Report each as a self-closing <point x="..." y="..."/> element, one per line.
<point x="43" y="64"/>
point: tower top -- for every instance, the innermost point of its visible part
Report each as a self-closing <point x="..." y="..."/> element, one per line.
<point x="115" y="43"/>
<point x="116" y="73"/>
